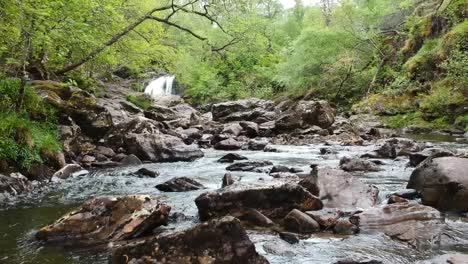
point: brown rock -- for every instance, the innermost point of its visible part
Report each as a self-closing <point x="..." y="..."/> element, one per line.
<point x="105" y="219"/>
<point x="219" y="241"/>
<point x="181" y="184"/>
<point x="273" y="202"/>
<point x="227" y="180"/>
<point x="297" y="221"/>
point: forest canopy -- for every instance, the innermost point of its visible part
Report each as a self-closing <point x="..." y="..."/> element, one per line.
<point x="343" y="51"/>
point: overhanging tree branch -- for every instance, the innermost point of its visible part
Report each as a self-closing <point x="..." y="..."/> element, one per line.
<point x="111" y="41"/>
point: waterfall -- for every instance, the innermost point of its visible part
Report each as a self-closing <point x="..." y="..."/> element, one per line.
<point x="161" y="86"/>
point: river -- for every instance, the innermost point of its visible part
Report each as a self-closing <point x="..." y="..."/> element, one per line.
<point x="19" y="221"/>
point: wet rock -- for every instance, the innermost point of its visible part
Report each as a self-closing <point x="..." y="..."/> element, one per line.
<point x="279" y="168"/>
<point x="269" y="148"/>
<point x="131" y="160"/>
<point x="327" y="151"/>
<point x="455" y="258"/>
<point x="306" y="114"/>
<point x="257" y="144"/>
<point x="297" y="221"/>
<point x="396" y="199"/>
<point x="67" y="171"/>
<point x="346" y="261"/>
<point x="284" y="175"/>
<point x="242" y="110"/>
<point x="254" y="217"/>
<point x="326" y="218"/>
<point x="228" y="144"/>
<point x="339" y="189"/>
<point x="310" y="184"/>
<point x="192" y="133"/>
<point x="144" y="172"/>
<point x="278" y="249"/>
<point x="408" y="222"/>
<point x="344" y="226"/>
<point x="88" y="159"/>
<point x="40" y="172"/>
<point x="181" y="184"/>
<point x="289" y="237"/>
<point x="394" y="147"/>
<point x="107" y="152"/>
<point x="105" y="219"/>
<point x="14" y="185"/>
<point x="249" y="129"/>
<point x="228" y="180"/>
<point x="231" y="157"/>
<point x="443" y="183"/>
<point x="218" y="241"/>
<point x="357" y="164"/>
<point x="232" y="129"/>
<point x="249" y="166"/>
<point x="416" y="158"/>
<point x="143" y="138"/>
<point x="409" y="194"/>
<point x="273" y="202"/>
<point x="295" y="170"/>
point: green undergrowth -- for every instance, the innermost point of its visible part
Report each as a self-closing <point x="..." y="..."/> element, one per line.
<point x="29" y="136"/>
<point x="142" y="101"/>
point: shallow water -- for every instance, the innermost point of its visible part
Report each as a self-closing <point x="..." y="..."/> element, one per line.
<point x="19" y="222"/>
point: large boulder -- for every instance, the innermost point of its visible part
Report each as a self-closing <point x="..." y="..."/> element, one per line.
<point x="455" y="258"/>
<point x="395" y="147"/>
<point x="339" y="189"/>
<point x="306" y="114"/>
<point x="105" y="219"/>
<point x="243" y="110"/>
<point x="228" y="144"/>
<point x="416" y="158"/>
<point x="409" y="222"/>
<point x="273" y="202"/>
<point x="218" y="241"/>
<point x="443" y="183"/>
<point x="143" y="138"/>
<point x="14" y="184"/>
<point x="67" y="171"/>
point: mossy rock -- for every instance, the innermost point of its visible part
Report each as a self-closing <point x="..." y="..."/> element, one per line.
<point x="60" y="89"/>
<point x="386" y="104"/>
<point x="455" y="39"/>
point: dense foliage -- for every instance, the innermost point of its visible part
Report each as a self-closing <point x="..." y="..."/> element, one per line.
<point x="30" y="136"/>
<point x="403" y="58"/>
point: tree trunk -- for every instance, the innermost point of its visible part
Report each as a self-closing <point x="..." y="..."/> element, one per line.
<point x="374" y="79"/>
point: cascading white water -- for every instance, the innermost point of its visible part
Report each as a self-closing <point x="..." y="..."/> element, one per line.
<point x="162" y="86"/>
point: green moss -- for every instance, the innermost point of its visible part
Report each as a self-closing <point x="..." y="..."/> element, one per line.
<point x="415" y="119"/>
<point x="142" y="101"/>
<point x="386" y="104"/>
<point x="455" y="39"/>
<point x="424" y="63"/>
<point x="442" y="101"/>
<point x="22" y="140"/>
<point x="462" y="122"/>
<point x="24" y="136"/>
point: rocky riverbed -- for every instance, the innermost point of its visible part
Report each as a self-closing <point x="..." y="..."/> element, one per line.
<point x="248" y="181"/>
